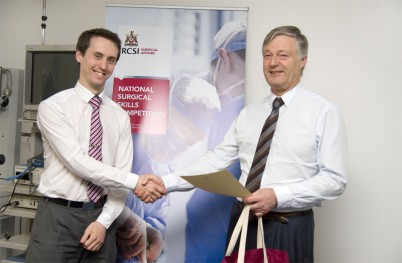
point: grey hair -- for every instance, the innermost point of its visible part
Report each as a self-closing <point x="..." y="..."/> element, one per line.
<point x="290" y="31"/>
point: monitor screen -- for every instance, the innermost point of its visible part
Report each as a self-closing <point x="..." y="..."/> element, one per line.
<point x="48" y="70"/>
<point x="52" y="72"/>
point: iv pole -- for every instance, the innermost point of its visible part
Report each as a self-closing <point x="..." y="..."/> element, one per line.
<point x="43" y="25"/>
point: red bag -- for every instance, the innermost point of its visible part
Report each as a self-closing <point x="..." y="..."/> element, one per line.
<point x="256" y="256"/>
<point x="252" y="255"/>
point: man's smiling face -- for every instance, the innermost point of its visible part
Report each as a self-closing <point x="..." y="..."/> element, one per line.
<point x="282" y="65"/>
<point x="97" y="64"/>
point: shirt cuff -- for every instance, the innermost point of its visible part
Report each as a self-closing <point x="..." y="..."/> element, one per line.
<point x="111" y="210"/>
<point x="131" y="181"/>
<point x="283" y="196"/>
<point x="105" y="220"/>
<point x="174" y="183"/>
<point x="170" y="182"/>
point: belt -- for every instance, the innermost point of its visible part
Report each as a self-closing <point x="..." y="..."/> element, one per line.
<point x="75" y="204"/>
<point x="282" y="217"/>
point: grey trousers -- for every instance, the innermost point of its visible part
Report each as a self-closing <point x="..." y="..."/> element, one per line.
<point x="56" y="234"/>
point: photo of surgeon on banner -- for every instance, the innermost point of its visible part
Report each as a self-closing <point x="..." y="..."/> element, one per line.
<point x="207" y="213"/>
<point x="188" y="226"/>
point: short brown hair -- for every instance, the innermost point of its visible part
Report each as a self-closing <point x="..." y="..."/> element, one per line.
<point x="86" y="36"/>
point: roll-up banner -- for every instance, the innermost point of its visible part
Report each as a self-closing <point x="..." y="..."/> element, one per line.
<point x="181" y="78"/>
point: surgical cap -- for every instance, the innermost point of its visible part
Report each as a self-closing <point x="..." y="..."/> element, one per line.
<point x="231" y="37"/>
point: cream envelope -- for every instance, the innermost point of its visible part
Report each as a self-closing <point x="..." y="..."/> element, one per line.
<point x="222" y="182"/>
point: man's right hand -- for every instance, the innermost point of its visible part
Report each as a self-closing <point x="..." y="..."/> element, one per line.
<point x="149" y="188"/>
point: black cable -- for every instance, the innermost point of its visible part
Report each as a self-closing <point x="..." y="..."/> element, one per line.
<point x="4" y="207"/>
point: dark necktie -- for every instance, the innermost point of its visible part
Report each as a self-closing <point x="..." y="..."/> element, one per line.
<point x="263" y="147"/>
<point x="95" y="192"/>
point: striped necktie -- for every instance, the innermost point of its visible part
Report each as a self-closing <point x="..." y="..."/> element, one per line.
<point x="263" y="147"/>
<point x="95" y="192"/>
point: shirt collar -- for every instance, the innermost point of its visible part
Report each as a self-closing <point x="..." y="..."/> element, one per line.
<point x="288" y="96"/>
<point x="85" y="93"/>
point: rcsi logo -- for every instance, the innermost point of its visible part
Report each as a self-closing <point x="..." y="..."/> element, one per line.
<point x="131" y="46"/>
<point x="131" y="40"/>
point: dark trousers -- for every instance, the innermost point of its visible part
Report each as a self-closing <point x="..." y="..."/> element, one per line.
<point x="56" y="234"/>
<point x="296" y="237"/>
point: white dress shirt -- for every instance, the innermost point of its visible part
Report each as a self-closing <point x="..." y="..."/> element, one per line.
<point x="307" y="162"/>
<point x="64" y="121"/>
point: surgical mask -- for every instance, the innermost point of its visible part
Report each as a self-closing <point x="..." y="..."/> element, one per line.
<point x="230" y="88"/>
<point x="213" y="80"/>
<point x="227" y="98"/>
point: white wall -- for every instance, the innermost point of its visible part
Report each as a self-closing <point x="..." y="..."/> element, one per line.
<point x="355" y="59"/>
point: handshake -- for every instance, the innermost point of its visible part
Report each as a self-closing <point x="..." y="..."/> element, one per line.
<point x="149" y="188"/>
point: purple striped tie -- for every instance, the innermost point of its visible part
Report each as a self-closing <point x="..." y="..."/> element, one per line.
<point x="95" y="192"/>
<point x="263" y="147"/>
